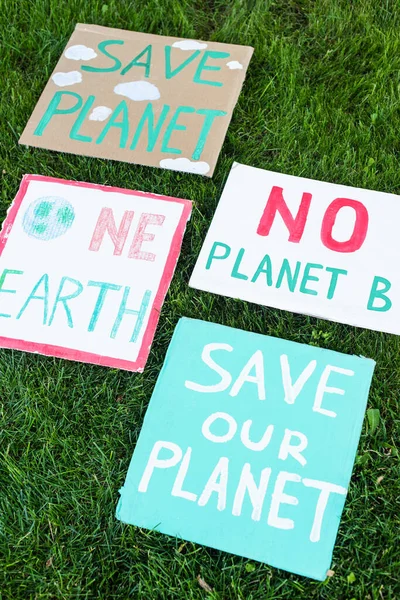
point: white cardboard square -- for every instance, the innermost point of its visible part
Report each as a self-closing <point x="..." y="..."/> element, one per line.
<point x="84" y="269"/>
<point x="321" y="249"/>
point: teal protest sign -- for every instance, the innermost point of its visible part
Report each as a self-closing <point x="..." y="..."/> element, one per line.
<point x="248" y="446"/>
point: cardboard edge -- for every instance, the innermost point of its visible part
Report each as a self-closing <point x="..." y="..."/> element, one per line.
<point x="12" y="212"/>
<point x="129" y="34"/>
<point x="343" y="186"/>
<point x="164" y="367"/>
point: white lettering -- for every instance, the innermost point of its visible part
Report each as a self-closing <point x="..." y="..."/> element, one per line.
<point x="226" y="378"/>
<point x="257" y="446"/>
<point x="180" y="478"/>
<point x="279" y="497"/>
<point x="217" y="482"/>
<point x="326" y="490"/>
<point x="294" y="451"/>
<point x="156" y="463"/>
<point x="292" y="390"/>
<point x="257" y="494"/>
<point x="256" y="361"/>
<point x="219" y="439"/>
<point x="324" y="389"/>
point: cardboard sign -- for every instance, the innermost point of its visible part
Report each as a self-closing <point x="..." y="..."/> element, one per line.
<point x="84" y="270"/>
<point x="248" y="445"/>
<point x="140" y="98"/>
<point x="316" y="248"/>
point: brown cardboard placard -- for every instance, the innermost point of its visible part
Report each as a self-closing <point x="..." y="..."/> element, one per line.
<point x="140" y="98"/>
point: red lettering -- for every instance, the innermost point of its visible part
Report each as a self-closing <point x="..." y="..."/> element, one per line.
<point x="142" y="236"/>
<point x="106" y="222"/>
<point x="276" y="203"/>
<point x="360" y="227"/>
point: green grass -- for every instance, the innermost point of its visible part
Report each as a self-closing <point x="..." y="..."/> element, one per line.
<point x="321" y="100"/>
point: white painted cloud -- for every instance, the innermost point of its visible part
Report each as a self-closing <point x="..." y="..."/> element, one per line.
<point x="185" y="165"/>
<point x="234" y="64"/>
<point x="64" y="79"/>
<point x="189" y="45"/>
<point x="100" y="113"/>
<point x="138" y="90"/>
<point x="80" y="52"/>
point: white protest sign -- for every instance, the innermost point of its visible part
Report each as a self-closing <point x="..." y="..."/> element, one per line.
<point x="84" y="270"/>
<point x="321" y="249"/>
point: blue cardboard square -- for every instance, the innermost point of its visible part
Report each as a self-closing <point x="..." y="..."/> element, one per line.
<point x="248" y="445"/>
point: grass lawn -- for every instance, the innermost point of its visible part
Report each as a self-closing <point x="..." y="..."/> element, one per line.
<point x="321" y="100"/>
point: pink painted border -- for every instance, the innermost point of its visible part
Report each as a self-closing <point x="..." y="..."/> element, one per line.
<point x="89" y="357"/>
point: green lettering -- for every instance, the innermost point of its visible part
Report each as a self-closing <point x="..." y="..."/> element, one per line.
<point x="32" y="296"/>
<point x="203" y="67"/>
<point x="235" y="269"/>
<point x="291" y="277"/>
<point x="334" y="278"/>
<point x="265" y="266"/>
<point x="174" y="126"/>
<point x="102" y="47"/>
<point x="152" y="131"/>
<point x="53" y="109"/>
<point x="2" y="280"/>
<point x="213" y="253"/>
<point x="123" y="125"/>
<point x="169" y="73"/>
<point x="104" y="288"/>
<point x="307" y="277"/>
<point x="210" y="114"/>
<point x="380" y="294"/>
<point x="145" y="64"/>
<point x="64" y="299"/>
<point x="140" y="314"/>
<point x="74" y="135"/>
